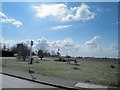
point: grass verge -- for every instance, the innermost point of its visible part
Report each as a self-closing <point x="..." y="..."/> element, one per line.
<point x="87" y="71"/>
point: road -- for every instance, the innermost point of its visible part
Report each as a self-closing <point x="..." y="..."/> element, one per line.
<point x="12" y="82"/>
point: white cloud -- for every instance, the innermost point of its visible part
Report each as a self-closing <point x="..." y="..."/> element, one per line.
<point x="42" y="44"/>
<point x="67" y="42"/>
<point x="81" y="13"/>
<point x="110" y="51"/>
<point x="6" y="19"/>
<point x="70" y="47"/>
<point x="92" y="41"/>
<point x="26" y="42"/>
<point x="61" y="27"/>
<point x="113" y="47"/>
<point x="62" y="12"/>
<point x="56" y="10"/>
<point x="8" y="43"/>
<point x="92" y="44"/>
<point x="2" y="14"/>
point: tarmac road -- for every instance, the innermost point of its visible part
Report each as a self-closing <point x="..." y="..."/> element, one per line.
<point x="12" y="82"/>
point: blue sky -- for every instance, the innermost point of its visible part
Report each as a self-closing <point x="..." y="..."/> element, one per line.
<point x="81" y="22"/>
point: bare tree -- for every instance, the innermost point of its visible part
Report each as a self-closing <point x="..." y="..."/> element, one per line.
<point x="19" y="50"/>
<point x="23" y="51"/>
<point x="14" y="49"/>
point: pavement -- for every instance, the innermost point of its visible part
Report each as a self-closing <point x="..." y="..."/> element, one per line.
<point x="13" y="82"/>
<point x="54" y="81"/>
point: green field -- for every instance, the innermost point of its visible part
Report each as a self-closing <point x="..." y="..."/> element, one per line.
<point x="98" y="72"/>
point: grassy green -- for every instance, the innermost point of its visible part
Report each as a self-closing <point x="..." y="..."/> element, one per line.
<point x="88" y="71"/>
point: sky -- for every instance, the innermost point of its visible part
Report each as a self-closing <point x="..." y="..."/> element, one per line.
<point x="77" y="28"/>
